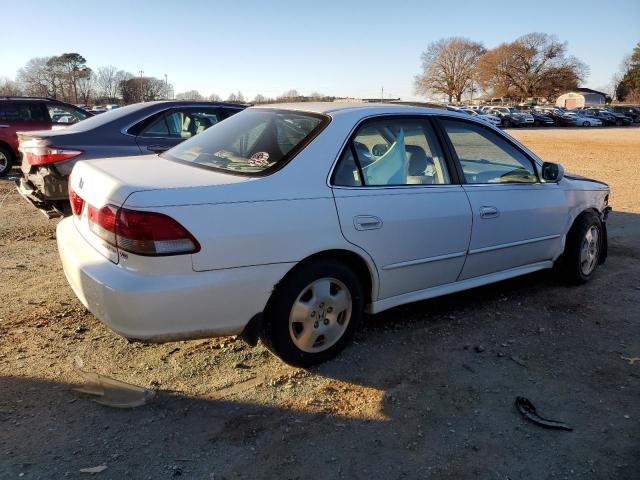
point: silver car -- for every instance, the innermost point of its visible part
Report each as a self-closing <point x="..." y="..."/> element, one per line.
<point x="140" y="129"/>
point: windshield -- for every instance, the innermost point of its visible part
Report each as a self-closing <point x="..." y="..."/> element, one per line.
<point x="253" y="142"/>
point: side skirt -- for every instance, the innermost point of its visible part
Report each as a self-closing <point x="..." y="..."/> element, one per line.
<point x="448" y="288"/>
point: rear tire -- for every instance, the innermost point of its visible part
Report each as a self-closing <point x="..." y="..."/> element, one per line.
<point x="7" y="160"/>
<point x="582" y="249"/>
<point x="585" y="124"/>
<point x="313" y="313"/>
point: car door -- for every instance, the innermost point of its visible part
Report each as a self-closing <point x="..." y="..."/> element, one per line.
<point x="169" y="128"/>
<point x="397" y="199"/>
<point x="517" y="219"/>
<point x="21" y="116"/>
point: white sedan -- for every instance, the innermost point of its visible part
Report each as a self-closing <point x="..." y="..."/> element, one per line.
<point x="582" y="121"/>
<point x="288" y="223"/>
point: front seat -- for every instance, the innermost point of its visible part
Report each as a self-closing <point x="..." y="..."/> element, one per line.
<point x="421" y="169"/>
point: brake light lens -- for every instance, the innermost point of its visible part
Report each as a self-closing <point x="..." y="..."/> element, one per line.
<point x="46" y="155"/>
<point x="150" y="233"/>
<point x="102" y="222"/>
<point x="76" y="201"/>
<point x="142" y="233"/>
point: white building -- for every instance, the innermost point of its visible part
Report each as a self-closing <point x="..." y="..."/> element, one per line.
<point x="583" y="97"/>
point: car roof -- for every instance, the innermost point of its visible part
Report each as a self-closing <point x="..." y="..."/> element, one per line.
<point x="335" y="108"/>
<point x="193" y="103"/>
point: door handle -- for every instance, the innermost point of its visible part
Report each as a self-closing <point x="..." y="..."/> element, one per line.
<point x="489" y="212"/>
<point x="4" y="126"/>
<point x="367" y="222"/>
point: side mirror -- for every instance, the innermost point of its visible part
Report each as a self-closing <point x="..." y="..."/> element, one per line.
<point x="158" y="149"/>
<point x="552" y="172"/>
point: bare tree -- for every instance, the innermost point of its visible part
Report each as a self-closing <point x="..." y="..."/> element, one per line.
<point x="534" y="65"/>
<point x="448" y="67"/>
<point x="9" y="87"/>
<point x="38" y="78"/>
<point x="214" y="97"/>
<point x="290" y="94"/>
<point x="259" y="98"/>
<point x="152" y="89"/>
<point x="108" y="82"/>
<point x="190" y="95"/>
<point x="86" y="87"/>
<point x="236" y="97"/>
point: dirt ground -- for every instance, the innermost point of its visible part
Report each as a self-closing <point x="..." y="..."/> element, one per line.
<point x="427" y="391"/>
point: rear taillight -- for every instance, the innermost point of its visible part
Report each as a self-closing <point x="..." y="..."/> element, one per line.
<point x="142" y="233"/>
<point x="76" y="201"/>
<point x="150" y="233"/>
<point x="102" y="222"/>
<point x="45" y="155"/>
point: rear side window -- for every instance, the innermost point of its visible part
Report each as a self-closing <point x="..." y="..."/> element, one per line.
<point x="64" y="114"/>
<point x="23" y="112"/>
<point x="182" y="123"/>
<point x="253" y="142"/>
<point x="392" y="151"/>
<point x="485" y="157"/>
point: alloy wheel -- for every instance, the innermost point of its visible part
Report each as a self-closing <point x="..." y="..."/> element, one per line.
<point x="320" y="315"/>
<point x="4" y="162"/>
<point x="589" y="250"/>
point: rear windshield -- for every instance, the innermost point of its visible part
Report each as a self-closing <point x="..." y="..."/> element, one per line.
<point x="104" y="118"/>
<point x="252" y="142"/>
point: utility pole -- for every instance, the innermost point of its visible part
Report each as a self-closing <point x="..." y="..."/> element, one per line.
<point x="382" y="94"/>
<point x="141" y="87"/>
<point x="166" y="85"/>
<point x="471" y="90"/>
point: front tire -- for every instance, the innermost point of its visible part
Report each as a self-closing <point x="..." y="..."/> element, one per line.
<point x="6" y="161"/>
<point x="582" y="250"/>
<point x="313" y="313"/>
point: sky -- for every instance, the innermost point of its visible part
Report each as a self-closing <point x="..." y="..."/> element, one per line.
<point x="342" y="48"/>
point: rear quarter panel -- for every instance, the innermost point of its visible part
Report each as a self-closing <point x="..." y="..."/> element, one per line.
<point x="258" y="233"/>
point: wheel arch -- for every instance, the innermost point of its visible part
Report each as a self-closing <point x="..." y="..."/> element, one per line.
<point x="604" y="248"/>
<point x="363" y="267"/>
<point x="10" y="148"/>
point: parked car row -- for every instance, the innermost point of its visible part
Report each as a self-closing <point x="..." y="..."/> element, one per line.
<point x="555" y="116"/>
<point x="48" y="156"/>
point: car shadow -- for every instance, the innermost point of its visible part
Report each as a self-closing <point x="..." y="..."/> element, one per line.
<point x="427" y="390"/>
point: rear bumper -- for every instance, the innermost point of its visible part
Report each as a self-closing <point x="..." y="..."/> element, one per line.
<point x="27" y="190"/>
<point x="162" y="307"/>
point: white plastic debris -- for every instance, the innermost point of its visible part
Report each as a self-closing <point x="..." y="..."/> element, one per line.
<point x="111" y="392"/>
<point x="92" y="470"/>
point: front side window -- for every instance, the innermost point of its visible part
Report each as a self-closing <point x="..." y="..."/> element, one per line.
<point x="181" y="123"/>
<point x="392" y="152"/>
<point x="251" y="142"/>
<point x="485" y="157"/>
<point x="65" y="115"/>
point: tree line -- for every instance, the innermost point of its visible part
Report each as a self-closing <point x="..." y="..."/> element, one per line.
<point x="67" y="77"/>
<point x="535" y="65"/>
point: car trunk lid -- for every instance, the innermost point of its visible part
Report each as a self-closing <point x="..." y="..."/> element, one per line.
<point x="101" y="183"/>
